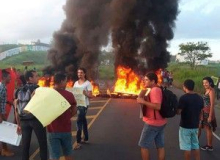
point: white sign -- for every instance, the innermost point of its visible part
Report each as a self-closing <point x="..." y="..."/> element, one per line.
<point x="8" y="133"/>
<point x="79" y="96"/>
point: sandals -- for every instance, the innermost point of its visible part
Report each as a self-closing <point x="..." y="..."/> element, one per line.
<point x="77" y="146"/>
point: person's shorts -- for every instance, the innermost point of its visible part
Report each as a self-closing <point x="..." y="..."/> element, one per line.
<point x="188" y="139"/>
<point x="150" y="135"/>
<point x="59" y="144"/>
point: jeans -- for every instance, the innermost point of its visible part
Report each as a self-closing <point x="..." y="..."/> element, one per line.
<point x="152" y="135"/>
<point x="81" y="124"/>
<point x="27" y="125"/>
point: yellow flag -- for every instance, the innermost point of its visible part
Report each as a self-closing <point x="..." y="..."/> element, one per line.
<point x="46" y="105"/>
<point x="215" y="79"/>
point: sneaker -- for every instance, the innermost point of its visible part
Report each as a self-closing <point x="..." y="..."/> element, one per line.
<point x="6" y="153"/>
<point x="210" y="148"/>
<point x="207" y="148"/>
<point x="204" y="148"/>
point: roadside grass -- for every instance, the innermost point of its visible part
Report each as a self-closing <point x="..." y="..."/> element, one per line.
<point x="39" y="59"/>
<point x="181" y="72"/>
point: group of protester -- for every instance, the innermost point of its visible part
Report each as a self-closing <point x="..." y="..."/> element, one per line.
<point x="167" y="77"/>
<point x="56" y="137"/>
<point x="197" y="112"/>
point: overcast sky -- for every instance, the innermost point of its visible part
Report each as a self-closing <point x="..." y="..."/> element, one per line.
<point x="30" y="20"/>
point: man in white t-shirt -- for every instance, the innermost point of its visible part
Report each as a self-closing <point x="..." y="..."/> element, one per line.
<point x="82" y="110"/>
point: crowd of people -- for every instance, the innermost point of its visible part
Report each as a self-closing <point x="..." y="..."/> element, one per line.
<point x="167" y="77"/>
<point x="56" y="137"/>
<point x="197" y="113"/>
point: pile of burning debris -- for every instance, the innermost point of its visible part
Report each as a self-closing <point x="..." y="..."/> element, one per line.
<point x="127" y="85"/>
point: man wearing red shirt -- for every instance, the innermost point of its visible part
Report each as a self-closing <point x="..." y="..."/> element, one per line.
<point x="59" y="131"/>
<point x="154" y="124"/>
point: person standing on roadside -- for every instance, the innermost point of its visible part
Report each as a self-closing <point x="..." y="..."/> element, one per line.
<point x="82" y="110"/>
<point x="218" y="89"/>
<point x="208" y="120"/>
<point x="6" y="78"/>
<point x="59" y="135"/>
<point x="154" y="123"/>
<point x="190" y="107"/>
<point x="27" y="122"/>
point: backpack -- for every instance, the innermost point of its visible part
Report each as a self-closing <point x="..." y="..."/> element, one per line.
<point x="23" y="97"/>
<point x="169" y="103"/>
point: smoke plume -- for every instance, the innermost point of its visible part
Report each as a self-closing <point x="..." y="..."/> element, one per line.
<point x="140" y="30"/>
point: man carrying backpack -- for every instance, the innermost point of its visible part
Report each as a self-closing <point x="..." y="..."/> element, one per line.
<point x="154" y="123"/>
<point x="26" y="121"/>
<point x="190" y="106"/>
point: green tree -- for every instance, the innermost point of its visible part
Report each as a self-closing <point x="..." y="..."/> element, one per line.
<point x="195" y="52"/>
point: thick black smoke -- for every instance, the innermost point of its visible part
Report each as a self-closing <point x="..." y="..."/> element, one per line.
<point x="140" y="30"/>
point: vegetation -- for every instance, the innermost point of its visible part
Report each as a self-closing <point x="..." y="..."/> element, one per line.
<point x="182" y="71"/>
<point x="195" y="52"/>
<point x="106" y="72"/>
<point x="5" y="47"/>
<point x="39" y="59"/>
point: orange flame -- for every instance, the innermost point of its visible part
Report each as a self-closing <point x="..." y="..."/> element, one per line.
<point x="127" y="81"/>
<point x="69" y="84"/>
<point x="95" y="89"/>
<point x="159" y="76"/>
<point x="108" y="92"/>
<point x="49" y="82"/>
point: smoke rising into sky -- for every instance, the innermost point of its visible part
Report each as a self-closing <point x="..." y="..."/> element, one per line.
<point x="139" y="28"/>
<point x="26" y="21"/>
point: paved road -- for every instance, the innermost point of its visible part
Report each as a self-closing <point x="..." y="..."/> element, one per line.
<point x="115" y="127"/>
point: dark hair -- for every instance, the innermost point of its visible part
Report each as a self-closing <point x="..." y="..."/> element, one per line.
<point x="189" y="84"/>
<point x="58" y="77"/>
<point x="209" y="79"/>
<point x="22" y="78"/>
<point x="152" y="76"/>
<point x="83" y="69"/>
<point x="29" y="74"/>
<point x="5" y="73"/>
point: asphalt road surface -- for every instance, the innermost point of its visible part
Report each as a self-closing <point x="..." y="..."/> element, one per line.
<point x="114" y="131"/>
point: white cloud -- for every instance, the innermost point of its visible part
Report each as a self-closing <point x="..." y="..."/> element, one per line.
<point x="198" y="21"/>
<point x="212" y="43"/>
<point x="30" y="20"/>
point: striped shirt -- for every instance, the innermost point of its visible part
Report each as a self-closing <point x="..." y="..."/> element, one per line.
<point x="3" y="98"/>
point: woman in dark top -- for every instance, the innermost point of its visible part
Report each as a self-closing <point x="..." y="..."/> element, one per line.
<point x="208" y="120"/>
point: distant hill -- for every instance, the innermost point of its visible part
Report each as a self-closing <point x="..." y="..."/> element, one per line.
<point x="5" y="47"/>
<point x="39" y="59"/>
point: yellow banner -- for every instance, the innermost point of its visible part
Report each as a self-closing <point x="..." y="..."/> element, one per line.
<point x="46" y="105"/>
<point x="215" y="79"/>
